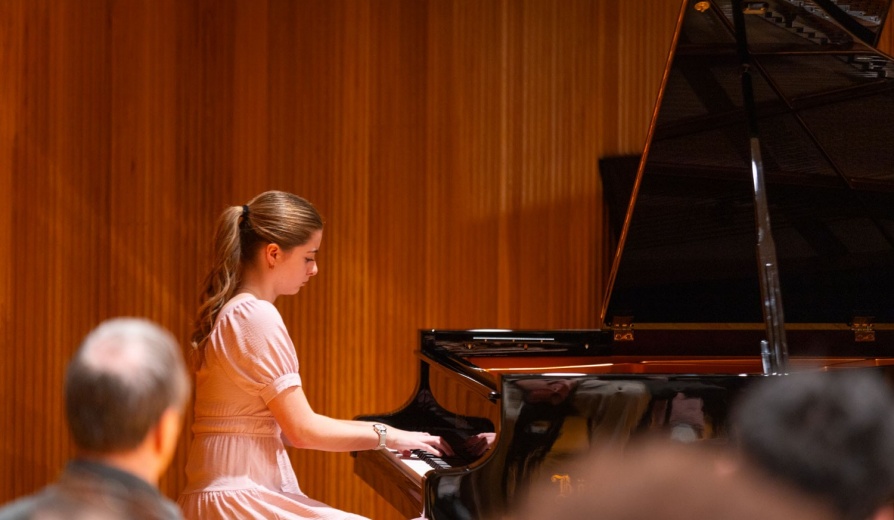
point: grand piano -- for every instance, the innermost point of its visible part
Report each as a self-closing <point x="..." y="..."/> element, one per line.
<point x="754" y="237"/>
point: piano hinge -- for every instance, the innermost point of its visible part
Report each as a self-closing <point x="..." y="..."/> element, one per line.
<point x="622" y="328"/>
<point x="863" y="328"/>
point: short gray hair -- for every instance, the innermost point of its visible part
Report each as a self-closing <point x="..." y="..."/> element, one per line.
<point x="124" y="376"/>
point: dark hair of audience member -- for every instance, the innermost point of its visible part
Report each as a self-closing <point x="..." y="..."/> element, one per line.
<point x="126" y="373"/>
<point x="831" y="434"/>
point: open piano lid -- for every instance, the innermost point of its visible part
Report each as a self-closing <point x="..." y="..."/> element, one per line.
<point x="824" y="99"/>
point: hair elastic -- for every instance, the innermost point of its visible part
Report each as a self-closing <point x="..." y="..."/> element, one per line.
<point x="245" y="224"/>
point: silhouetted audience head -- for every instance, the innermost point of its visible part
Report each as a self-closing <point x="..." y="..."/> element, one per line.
<point x="126" y="374"/>
<point x="671" y="481"/>
<point x="125" y="391"/>
<point x="831" y="434"/>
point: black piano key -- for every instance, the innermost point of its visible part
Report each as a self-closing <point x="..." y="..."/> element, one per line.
<point x="432" y="460"/>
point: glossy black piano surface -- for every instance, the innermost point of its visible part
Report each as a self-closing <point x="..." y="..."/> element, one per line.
<point x="823" y="105"/>
<point x="683" y="314"/>
<point x="551" y="397"/>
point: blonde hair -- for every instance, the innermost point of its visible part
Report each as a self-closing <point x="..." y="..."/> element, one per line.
<point x="271" y="217"/>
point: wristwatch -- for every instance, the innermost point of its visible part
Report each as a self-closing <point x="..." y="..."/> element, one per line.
<point x="382" y="430"/>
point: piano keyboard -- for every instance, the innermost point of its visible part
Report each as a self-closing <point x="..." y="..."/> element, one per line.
<point x="432" y="460"/>
<point x="421" y="462"/>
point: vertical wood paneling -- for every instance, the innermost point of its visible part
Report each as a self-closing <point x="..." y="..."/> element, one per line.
<point x="886" y="41"/>
<point x="12" y="43"/>
<point x="452" y="147"/>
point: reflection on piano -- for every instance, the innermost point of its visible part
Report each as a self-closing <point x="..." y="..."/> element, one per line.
<point x="550" y="397"/>
<point x="683" y="320"/>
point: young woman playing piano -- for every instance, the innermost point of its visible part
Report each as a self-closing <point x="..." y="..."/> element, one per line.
<point x="248" y="390"/>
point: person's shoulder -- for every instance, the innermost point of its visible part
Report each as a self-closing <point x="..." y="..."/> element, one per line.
<point x="244" y="309"/>
<point x="171" y="511"/>
<point x="20" y="509"/>
<point x="85" y="496"/>
<point x="245" y="304"/>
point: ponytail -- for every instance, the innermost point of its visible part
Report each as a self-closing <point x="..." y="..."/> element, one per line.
<point x="222" y="281"/>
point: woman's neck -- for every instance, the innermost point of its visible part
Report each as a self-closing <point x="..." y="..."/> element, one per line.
<point x="256" y="286"/>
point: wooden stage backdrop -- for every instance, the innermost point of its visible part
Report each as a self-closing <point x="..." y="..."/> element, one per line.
<point x="451" y="145"/>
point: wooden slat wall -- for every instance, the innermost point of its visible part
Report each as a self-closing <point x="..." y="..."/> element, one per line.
<point x="886" y="41"/>
<point x="451" y="145"/>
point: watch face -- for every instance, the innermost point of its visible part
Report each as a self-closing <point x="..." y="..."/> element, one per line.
<point x="381" y="430"/>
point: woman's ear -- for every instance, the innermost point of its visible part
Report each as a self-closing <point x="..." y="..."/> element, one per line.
<point x="272" y="254"/>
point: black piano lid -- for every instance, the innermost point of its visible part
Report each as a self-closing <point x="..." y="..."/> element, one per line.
<point x="824" y="100"/>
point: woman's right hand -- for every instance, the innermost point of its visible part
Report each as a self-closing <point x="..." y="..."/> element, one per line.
<point x="406" y="441"/>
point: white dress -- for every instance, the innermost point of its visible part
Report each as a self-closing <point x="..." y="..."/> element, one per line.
<point x="238" y="466"/>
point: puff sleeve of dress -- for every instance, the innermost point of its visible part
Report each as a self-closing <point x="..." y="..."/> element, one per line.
<point x="254" y="349"/>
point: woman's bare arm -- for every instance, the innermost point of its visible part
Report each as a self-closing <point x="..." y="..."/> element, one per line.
<point x="305" y="428"/>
